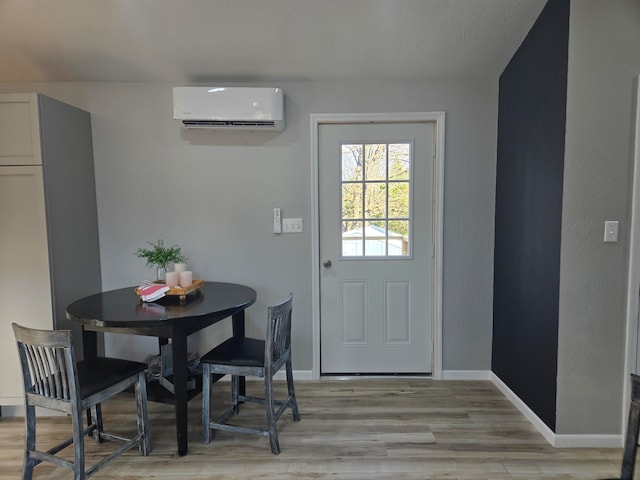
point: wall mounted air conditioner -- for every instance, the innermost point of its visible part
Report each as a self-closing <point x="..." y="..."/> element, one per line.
<point x="229" y="108"/>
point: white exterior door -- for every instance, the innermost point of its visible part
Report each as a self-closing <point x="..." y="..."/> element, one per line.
<point x="376" y="247"/>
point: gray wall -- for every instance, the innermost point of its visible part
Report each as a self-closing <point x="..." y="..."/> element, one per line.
<point x="603" y="61"/>
<point x="213" y="193"/>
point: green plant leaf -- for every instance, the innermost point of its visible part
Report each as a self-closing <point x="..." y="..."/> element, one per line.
<point x="159" y="255"/>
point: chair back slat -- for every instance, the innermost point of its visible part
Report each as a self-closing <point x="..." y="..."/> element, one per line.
<point x="30" y="363"/>
<point x="38" y="370"/>
<point x="53" y="360"/>
<point x="278" y="331"/>
<point x="48" y="367"/>
<point x="65" y="379"/>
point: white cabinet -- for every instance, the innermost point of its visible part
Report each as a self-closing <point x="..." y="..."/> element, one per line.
<point x="49" y="253"/>
<point x="24" y="267"/>
<point x="19" y="130"/>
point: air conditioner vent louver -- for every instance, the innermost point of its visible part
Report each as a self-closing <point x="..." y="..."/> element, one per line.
<point x="229" y="108"/>
<point x="227" y="124"/>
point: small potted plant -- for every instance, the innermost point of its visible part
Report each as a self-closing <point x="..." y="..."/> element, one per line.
<point x="160" y="257"/>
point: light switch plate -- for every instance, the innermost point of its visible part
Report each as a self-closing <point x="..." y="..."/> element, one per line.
<point x="611" y="231"/>
<point x="277" y="221"/>
<point x="291" y="225"/>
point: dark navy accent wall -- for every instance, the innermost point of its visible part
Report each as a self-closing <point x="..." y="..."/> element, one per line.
<point x="531" y="131"/>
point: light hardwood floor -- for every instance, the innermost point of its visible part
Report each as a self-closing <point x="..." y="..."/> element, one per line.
<point x="397" y="429"/>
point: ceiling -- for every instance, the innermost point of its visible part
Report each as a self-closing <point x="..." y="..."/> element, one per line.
<point x="258" y="40"/>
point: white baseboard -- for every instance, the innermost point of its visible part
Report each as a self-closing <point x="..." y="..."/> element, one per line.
<point x="588" y="441"/>
<point x="297" y="375"/>
<point x="557" y="440"/>
<point x="466" y="375"/>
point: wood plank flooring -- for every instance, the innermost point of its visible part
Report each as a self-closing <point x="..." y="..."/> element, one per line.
<point x="400" y="429"/>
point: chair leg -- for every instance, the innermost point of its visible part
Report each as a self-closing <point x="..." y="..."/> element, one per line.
<point x="292" y="392"/>
<point x="271" y="414"/>
<point x="96" y="417"/>
<point x="235" y="393"/>
<point x="78" y="444"/>
<point x="30" y="442"/>
<point x="631" y="442"/>
<point x="142" y="416"/>
<point x="206" y="403"/>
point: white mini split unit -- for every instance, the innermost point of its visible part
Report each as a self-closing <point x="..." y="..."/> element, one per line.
<point x="229" y="108"/>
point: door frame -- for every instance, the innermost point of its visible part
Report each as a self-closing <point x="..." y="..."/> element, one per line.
<point x="633" y="280"/>
<point x="438" y="118"/>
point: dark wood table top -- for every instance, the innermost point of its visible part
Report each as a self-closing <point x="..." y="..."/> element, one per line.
<point x="123" y="309"/>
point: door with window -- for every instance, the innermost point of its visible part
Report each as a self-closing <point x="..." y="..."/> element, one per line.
<point x="376" y="247"/>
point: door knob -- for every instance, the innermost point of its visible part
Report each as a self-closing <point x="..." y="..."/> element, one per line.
<point x="326" y="264"/>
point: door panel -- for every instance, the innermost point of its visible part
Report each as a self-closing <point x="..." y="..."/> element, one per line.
<point x="375" y="198"/>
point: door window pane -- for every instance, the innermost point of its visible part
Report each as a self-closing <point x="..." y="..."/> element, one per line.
<point x="352" y="239"/>
<point x="375" y="239"/>
<point x="352" y="162"/>
<point x="399" y="161"/>
<point x="352" y="200"/>
<point x="398" y="242"/>
<point x="399" y="200"/>
<point x="375" y="202"/>
<point x="376" y="199"/>
<point x="375" y="165"/>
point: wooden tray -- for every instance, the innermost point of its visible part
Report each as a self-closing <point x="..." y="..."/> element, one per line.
<point x="181" y="292"/>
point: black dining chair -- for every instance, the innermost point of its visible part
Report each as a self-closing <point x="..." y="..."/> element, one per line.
<point x="633" y="427"/>
<point x="53" y="380"/>
<point x="243" y="356"/>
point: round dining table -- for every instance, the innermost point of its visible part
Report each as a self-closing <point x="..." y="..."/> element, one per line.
<point x="169" y="318"/>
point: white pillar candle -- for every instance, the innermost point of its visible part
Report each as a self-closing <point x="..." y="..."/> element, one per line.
<point x="185" y="279"/>
<point x="179" y="267"/>
<point x="171" y="279"/>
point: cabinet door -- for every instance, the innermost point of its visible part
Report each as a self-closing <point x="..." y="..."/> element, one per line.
<point x="19" y="130"/>
<point x="25" y="293"/>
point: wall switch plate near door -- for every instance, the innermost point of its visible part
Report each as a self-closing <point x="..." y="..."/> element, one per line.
<point x="277" y="221"/>
<point x="611" y="231"/>
<point x="292" y="225"/>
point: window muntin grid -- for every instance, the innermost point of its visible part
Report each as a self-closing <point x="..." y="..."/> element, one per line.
<point x="376" y="199"/>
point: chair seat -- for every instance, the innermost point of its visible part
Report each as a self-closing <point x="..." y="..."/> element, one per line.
<point x="97" y="374"/>
<point x="242" y="351"/>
